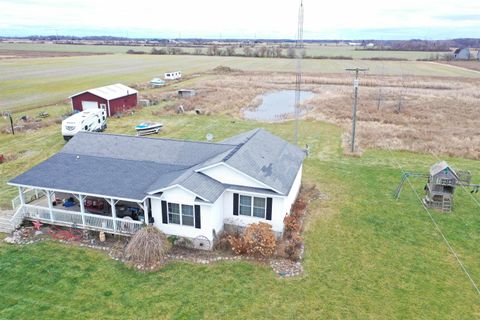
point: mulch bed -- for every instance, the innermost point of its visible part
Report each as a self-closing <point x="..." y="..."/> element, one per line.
<point x="114" y="247"/>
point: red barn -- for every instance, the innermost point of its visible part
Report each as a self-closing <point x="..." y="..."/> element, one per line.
<point x="114" y="98"/>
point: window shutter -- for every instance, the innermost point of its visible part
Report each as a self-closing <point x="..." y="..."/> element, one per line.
<point x="269" y="208"/>
<point x="235" y="204"/>
<point x="198" y="224"/>
<point x="164" y="212"/>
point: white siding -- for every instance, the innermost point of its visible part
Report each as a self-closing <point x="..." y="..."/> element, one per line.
<point x="227" y="175"/>
<point x="278" y="212"/>
<point x="292" y="195"/>
<point x="210" y="215"/>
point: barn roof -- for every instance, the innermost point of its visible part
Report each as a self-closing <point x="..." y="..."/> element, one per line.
<point x="132" y="167"/>
<point x="110" y="92"/>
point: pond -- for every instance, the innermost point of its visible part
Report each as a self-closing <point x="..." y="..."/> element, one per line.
<point x="276" y="105"/>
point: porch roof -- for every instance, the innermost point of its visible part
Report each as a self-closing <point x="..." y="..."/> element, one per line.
<point x="93" y="175"/>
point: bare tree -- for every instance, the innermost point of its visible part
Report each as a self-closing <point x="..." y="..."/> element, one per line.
<point x="278" y="52"/>
<point x="212" y="50"/>
<point x="197" y="51"/>
<point x="247" y="51"/>
<point x="291" y="53"/>
<point x="261" y="51"/>
<point x="230" y="51"/>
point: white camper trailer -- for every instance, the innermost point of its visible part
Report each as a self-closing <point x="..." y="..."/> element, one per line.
<point x="173" y="75"/>
<point x="89" y="120"/>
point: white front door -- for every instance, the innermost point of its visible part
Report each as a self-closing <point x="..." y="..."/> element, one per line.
<point x="86" y="105"/>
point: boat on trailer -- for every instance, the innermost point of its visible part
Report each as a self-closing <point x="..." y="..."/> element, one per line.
<point x="146" y="128"/>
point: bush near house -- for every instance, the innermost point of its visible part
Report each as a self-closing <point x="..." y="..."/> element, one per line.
<point x="292" y="241"/>
<point x="257" y="240"/>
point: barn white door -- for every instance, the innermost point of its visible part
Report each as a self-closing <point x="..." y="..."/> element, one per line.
<point x="89" y="105"/>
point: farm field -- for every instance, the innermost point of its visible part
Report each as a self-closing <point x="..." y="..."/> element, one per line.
<point x="28" y="83"/>
<point x="367" y="255"/>
<point x="311" y="50"/>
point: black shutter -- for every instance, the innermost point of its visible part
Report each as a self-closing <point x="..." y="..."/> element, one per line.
<point x="198" y="223"/>
<point x="269" y="208"/>
<point x="235" y="204"/>
<point x="164" y="212"/>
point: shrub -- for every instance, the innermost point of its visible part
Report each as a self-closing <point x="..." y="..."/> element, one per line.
<point x="238" y="244"/>
<point x="147" y="247"/>
<point x="293" y="247"/>
<point x="299" y="206"/>
<point x="291" y="224"/>
<point x="259" y="239"/>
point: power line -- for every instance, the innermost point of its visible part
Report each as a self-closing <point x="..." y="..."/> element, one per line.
<point x="462" y="266"/>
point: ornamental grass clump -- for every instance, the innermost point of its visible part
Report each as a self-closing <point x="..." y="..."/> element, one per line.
<point x="147" y="248"/>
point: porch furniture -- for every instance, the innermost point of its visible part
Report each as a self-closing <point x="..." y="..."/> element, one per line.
<point x="94" y="205"/>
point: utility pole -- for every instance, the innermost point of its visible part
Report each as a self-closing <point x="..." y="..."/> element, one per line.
<point x="298" y="77"/>
<point x="354" y="107"/>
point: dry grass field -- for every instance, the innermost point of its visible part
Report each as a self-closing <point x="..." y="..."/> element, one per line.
<point x="423" y="114"/>
<point x="34" y="82"/>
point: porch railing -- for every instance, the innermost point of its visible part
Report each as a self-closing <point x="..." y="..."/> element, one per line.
<point x="29" y="195"/>
<point x="85" y="221"/>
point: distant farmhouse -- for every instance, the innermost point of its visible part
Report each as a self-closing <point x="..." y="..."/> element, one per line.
<point x="461" y="54"/>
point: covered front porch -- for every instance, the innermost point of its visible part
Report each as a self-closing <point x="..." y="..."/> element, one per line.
<point x="91" y="212"/>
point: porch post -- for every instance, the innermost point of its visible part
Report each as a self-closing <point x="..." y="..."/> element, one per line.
<point x="21" y="195"/>
<point x="82" y="208"/>
<point x="114" y="214"/>
<point x="49" y="199"/>
<point x="146" y="209"/>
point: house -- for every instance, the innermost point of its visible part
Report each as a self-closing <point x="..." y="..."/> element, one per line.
<point x="440" y="187"/>
<point x="188" y="189"/>
<point x="114" y="98"/>
<point x="461" y="54"/>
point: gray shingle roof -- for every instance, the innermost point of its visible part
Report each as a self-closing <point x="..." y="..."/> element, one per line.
<point x="169" y="151"/>
<point x="267" y="158"/>
<point x="86" y="174"/>
<point x="132" y="167"/>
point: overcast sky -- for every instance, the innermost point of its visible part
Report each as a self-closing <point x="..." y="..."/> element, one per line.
<point x="337" y="19"/>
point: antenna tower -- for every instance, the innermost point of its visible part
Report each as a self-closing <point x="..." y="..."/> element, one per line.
<point x="298" y="79"/>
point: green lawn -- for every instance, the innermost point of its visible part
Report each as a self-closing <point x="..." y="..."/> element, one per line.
<point x="28" y="83"/>
<point x="367" y="255"/>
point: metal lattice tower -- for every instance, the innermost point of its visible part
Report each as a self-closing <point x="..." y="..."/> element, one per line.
<point x="298" y="78"/>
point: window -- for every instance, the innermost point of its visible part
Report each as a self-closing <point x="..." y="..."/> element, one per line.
<point x="187" y="215"/>
<point x="257" y="208"/>
<point x="173" y="213"/>
<point x="181" y="214"/>
<point x="245" y="206"/>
